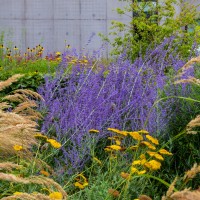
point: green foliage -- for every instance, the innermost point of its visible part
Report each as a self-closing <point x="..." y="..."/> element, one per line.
<point x="151" y="22"/>
<point x="32" y="81"/>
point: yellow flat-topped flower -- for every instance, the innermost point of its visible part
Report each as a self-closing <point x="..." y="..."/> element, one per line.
<point x="124" y="133"/>
<point x="163" y="151"/>
<point x="152" y="139"/>
<point x="56" y="196"/>
<point x="135" y="135"/>
<point x="93" y="131"/>
<point x="17" y="147"/>
<point x="54" y="143"/>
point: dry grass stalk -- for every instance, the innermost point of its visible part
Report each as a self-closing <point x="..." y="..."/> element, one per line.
<point x="190" y="79"/>
<point x="4" y="105"/>
<point x="144" y="197"/>
<point x="190" y="174"/>
<point x="186" y="195"/>
<point x="25" y="108"/>
<point x="170" y="190"/>
<point x="33" y="179"/>
<point x="193" y="124"/>
<point x="26" y="196"/>
<point x="184" y="69"/>
<point x="28" y="93"/>
<point x="8" y="82"/>
<point x="9" y="166"/>
<point x="18" y="127"/>
<point x="15" y="130"/>
<point x="187" y="66"/>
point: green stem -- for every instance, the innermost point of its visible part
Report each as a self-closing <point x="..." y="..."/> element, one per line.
<point x="164" y="98"/>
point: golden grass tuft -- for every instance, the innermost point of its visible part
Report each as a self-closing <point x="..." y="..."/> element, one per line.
<point x="8" y="82"/>
<point x="187" y="66"/>
<point x="185" y="194"/>
<point x="18" y="127"/>
<point x="190" y="174"/>
<point x="144" y="197"/>
<point x="9" y="166"/>
<point x="47" y="182"/>
<point x="193" y="124"/>
<point x="26" y="196"/>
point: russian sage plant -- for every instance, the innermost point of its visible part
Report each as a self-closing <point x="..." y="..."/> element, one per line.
<point x="121" y="95"/>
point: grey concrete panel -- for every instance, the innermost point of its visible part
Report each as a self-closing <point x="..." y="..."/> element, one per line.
<point x="67" y="9"/>
<point x="39" y="9"/>
<point x="51" y="22"/>
<point x="93" y="9"/>
<point x="90" y="29"/>
<point x="14" y="33"/>
<point x="66" y="32"/>
<point x="12" y="9"/>
<point x="40" y="32"/>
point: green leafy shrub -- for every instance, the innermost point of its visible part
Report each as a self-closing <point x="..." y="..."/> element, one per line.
<point x="151" y="22"/>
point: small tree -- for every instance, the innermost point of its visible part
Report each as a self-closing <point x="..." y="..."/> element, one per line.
<point x="151" y="22"/>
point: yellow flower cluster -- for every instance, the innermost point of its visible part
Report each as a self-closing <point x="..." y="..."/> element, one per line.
<point x="45" y="173"/>
<point x="53" y="142"/>
<point x="52" y="195"/>
<point x="82" y="181"/>
<point x="17" y="147"/>
<point x="74" y="60"/>
<point x="150" y="160"/>
<point x="56" y="196"/>
<point x="93" y="131"/>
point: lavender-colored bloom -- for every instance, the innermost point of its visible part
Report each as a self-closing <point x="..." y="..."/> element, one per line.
<point x="120" y="95"/>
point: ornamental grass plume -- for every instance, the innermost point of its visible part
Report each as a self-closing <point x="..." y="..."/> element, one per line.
<point x="8" y="166"/>
<point x="27" y="196"/>
<point x="184" y="195"/>
<point x="39" y="180"/>
<point x="183" y="77"/>
<point x="194" y="123"/>
<point x="187" y="193"/>
<point x="19" y="124"/>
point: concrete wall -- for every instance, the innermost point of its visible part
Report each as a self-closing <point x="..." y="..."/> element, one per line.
<point x="52" y="22"/>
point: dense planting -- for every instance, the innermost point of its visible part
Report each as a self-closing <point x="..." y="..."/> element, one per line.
<point x="122" y="95"/>
<point x="80" y="126"/>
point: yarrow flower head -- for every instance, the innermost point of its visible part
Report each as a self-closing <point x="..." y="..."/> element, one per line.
<point x="56" y="196"/>
<point x="135" y="135"/>
<point x="40" y="136"/>
<point x="149" y="145"/>
<point x="125" y="175"/>
<point x="114" y="147"/>
<point x="152" y="139"/>
<point x="45" y="173"/>
<point x="17" y="147"/>
<point x="93" y="131"/>
<point x="114" y="130"/>
<point x="54" y="143"/>
<point x="81" y="184"/>
<point x="165" y="152"/>
<point x="155" y="154"/>
<point x="153" y="165"/>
